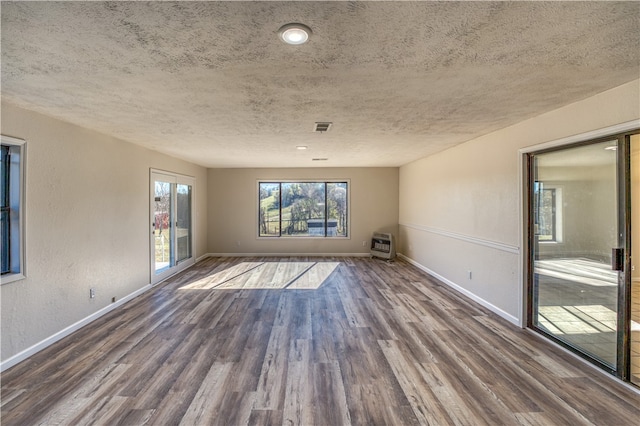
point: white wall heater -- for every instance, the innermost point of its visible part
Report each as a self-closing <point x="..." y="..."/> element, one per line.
<point x="383" y="246"/>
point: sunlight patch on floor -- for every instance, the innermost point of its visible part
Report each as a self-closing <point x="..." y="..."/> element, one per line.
<point x="267" y="275"/>
<point x="588" y="319"/>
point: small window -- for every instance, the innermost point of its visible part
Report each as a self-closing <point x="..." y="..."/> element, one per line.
<point x="12" y="209"/>
<point x="303" y="209"/>
<point x="548" y="213"/>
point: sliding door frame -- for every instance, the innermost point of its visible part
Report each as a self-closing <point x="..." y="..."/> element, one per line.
<point x="622" y="133"/>
<point x="174" y="179"/>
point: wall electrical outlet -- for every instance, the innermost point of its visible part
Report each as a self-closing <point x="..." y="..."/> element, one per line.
<point x="92" y="293"/>
<point x="364" y="244"/>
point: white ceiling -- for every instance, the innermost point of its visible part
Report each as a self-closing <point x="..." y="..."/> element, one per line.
<point x="210" y="82"/>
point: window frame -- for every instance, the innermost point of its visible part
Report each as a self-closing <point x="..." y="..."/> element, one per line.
<point x="305" y="237"/>
<point x="16" y="197"/>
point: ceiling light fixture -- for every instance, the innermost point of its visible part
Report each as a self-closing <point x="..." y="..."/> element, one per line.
<point x="294" y="33"/>
<point x="301" y="147"/>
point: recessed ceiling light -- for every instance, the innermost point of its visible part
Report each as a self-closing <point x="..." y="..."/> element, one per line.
<point x="301" y="147"/>
<point x="294" y="33"/>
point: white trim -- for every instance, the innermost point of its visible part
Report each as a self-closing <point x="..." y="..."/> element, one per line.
<point x="522" y="227"/>
<point x="21" y="273"/>
<point x="594" y="134"/>
<point x="9" y="278"/>
<point x="21" y="356"/>
<point x="463" y="290"/>
<point x="367" y="254"/>
<point x="171" y="174"/>
<point x="467" y="238"/>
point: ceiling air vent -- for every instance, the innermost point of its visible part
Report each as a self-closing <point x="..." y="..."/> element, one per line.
<point x="322" y="126"/>
<point x="319" y="159"/>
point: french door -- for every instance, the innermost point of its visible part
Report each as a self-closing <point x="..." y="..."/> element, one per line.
<point x="171" y="223"/>
<point x="584" y="249"/>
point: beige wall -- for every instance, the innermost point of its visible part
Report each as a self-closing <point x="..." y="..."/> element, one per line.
<point x="87" y="225"/>
<point x="233" y="209"/>
<point x="459" y="209"/>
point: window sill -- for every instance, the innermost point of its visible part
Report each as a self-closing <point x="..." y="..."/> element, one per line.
<point x="9" y="278"/>
<point x="287" y="237"/>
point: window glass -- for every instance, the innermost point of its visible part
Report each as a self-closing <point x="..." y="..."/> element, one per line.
<point x="337" y="209"/>
<point x="11" y="209"/>
<point x="302" y="209"/>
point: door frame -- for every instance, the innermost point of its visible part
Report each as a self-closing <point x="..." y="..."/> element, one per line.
<point x="174" y="179"/>
<point x="525" y="266"/>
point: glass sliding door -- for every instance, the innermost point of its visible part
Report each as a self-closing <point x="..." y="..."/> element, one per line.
<point x="171" y="224"/>
<point x="183" y="221"/>
<point x="574" y="227"/>
<point x="635" y="260"/>
<point x="162" y="219"/>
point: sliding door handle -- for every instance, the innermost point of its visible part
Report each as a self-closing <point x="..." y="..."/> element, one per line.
<point x="617" y="259"/>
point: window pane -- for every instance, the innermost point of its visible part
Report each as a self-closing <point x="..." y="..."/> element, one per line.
<point x="303" y="209"/>
<point x="4" y="218"/>
<point x="162" y="226"/>
<point x="4" y="189"/>
<point x="546" y="214"/>
<point x="5" y="241"/>
<point x="574" y="291"/>
<point x="269" y="215"/>
<point x="337" y="209"/>
<point x="12" y="209"/>
<point x="183" y="213"/>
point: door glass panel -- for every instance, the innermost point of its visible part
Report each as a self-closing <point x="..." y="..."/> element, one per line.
<point x="162" y="229"/>
<point x="575" y="221"/>
<point x="635" y="259"/>
<point x="183" y="228"/>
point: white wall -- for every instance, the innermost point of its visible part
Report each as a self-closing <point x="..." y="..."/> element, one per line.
<point x="87" y="225"/>
<point x="233" y="209"/>
<point x="460" y="208"/>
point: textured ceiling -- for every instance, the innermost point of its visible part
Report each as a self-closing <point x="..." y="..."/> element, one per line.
<point x="210" y="82"/>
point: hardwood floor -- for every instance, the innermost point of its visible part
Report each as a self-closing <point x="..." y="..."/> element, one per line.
<point x="306" y="341"/>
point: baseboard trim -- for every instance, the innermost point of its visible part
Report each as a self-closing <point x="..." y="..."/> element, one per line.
<point x="21" y="356"/>
<point x="367" y="254"/>
<point x="512" y="319"/>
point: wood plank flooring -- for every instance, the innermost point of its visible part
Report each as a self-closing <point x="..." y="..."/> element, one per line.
<point x="302" y="341"/>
